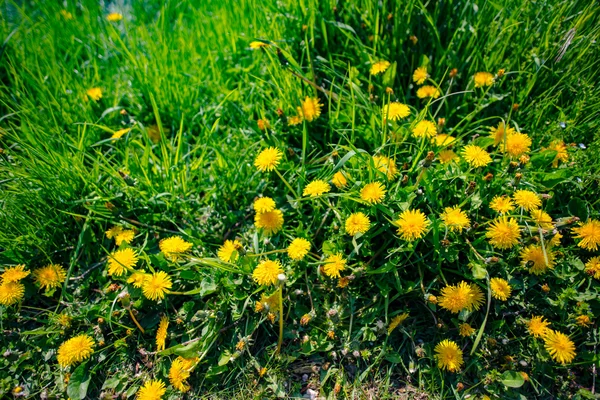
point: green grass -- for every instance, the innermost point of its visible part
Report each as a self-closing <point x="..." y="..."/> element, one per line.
<point x="182" y="76"/>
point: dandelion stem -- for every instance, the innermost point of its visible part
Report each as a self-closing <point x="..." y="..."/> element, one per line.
<point x="280" y="341"/>
<point x="287" y="183"/>
<point x="135" y="320"/>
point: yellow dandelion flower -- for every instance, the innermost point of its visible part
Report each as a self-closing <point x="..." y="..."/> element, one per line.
<point x="228" y="251"/>
<point x="161" y="333"/>
<point x="295" y="120"/>
<point x="482" y="79"/>
<point x="561" y="152"/>
<point x="264" y="204"/>
<point x="316" y="188"/>
<point x="386" y="165"/>
<point x="267" y="272"/>
<point x="427" y="91"/>
<point x="95" y="93"/>
<point x="527" y="199"/>
<point x="397" y="320"/>
<point x="476" y="156"/>
<point x="75" y="350"/>
<point x="501" y="290"/>
<point x="174" y="247"/>
<point x="373" y="192"/>
<point x="447" y="156"/>
<point x="537" y="326"/>
<point x="339" y="180"/>
<point x="14" y="274"/>
<point x="555" y="240"/>
<point x="11" y="293"/>
<point x="592" y="267"/>
<point x="424" y="129"/>
<point x="500" y="132"/>
<point x="64" y="320"/>
<point x="257" y="44"/>
<point x="114" y="17"/>
<point x="463" y="296"/>
<point x="156" y="285"/>
<point x="269" y="303"/>
<point x="465" y="330"/>
<point x="268" y="159"/>
<point x="502" y="204"/>
<point x="126" y="236"/>
<point x="151" y="390"/>
<point x="270" y="222"/>
<point x="560" y="347"/>
<point x="583" y="320"/>
<point x="455" y="219"/>
<point x="537" y="260"/>
<point x="589" y="233"/>
<point x="449" y="356"/>
<point x="420" y="75"/>
<point x="122" y="260"/>
<point x="311" y="108"/>
<point x="357" y="223"/>
<point x="412" y="225"/>
<point x="442" y="140"/>
<point x="179" y="372"/>
<point x="395" y="111"/>
<point x="113" y="232"/>
<point x="137" y="278"/>
<point x="334" y="264"/>
<point x="298" y="249"/>
<point x="542" y="219"/>
<point x="503" y="233"/>
<point x="379" y="67"/>
<point x="516" y="144"/>
<point x="120" y="133"/>
<point x="66" y="15"/>
<point x="50" y="276"/>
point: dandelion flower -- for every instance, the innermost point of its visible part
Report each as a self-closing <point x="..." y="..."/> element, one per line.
<point x="395" y="111"/>
<point x="120" y="133"/>
<point x="412" y="225"/>
<point x="542" y="219"/>
<point x="113" y="232"/>
<point x="64" y="320"/>
<point x="334" y="264"/>
<point x="537" y="326"/>
<point x="295" y="120"/>
<point x="482" y="79"/>
<point x="114" y="17"/>
<point x="538" y="262"/>
<point x="151" y="390"/>
<point x="386" y="166"/>
<point x="560" y="347"/>
<point x="500" y="132"/>
<point x="589" y="233"/>
<point x="424" y="129"/>
<point x="561" y="152"/>
<point x="137" y="278"/>
<point x="126" y="236"/>
<point x="463" y="296"/>
<point x="357" y="223"/>
<point x="592" y="267"/>
<point x="311" y="108"/>
<point x="465" y="330"/>
<point x="122" y="260"/>
<point x="476" y="156"/>
<point x="455" y="219"/>
<point x="75" y="350"/>
<point x="373" y="192"/>
<point x="156" y="285"/>
<point x="339" y="180"/>
<point x="270" y="222"/>
<point x="447" y="156"/>
<point x="66" y="15"/>
<point x="397" y="320"/>
<point x="50" y="276"/>
<point x="264" y="204"/>
<point x="316" y="188"/>
<point x="11" y="293"/>
<point x="228" y="251"/>
<point x="174" y="247"/>
<point x="583" y="321"/>
<point x="502" y="204"/>
<point x="257" y="44"/>
<point x="268" y="159"/>
<point x="442" y="139"/>
<point x="516" y="144"/>
<point x="161" y="333"/>
<point x="14" y="274"/>
<point x="420" y="75"/>
<point x="501" y="290"/>
<point x="527" y="199"/>
<point x="180" y="371"/>
<point x="95" y="93"/>
<point x="298" y="249"/>
<point x="379" y="67"/>
<point x="267" y="271"/>
<point x="504" y="233"/>
<point x="449" y="356"/>
<point x="428" y="91"/>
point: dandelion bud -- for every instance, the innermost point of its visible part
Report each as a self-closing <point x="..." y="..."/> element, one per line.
<point x="390" y="16"/>
<point x="501" y="72"/>
<point x="371" y="87"/>
<point x="430" y="156"/>
<point x="337" y="387"/>
<point x="445" y="242"/>
<point x="100" y="321"/>
<point x="488" y="177"/>
<point x="356" y="354"/>
<point x="545" y="288"/>
<point x="432" y="299"/>
<point x="389" y="90"/>
<point x="331" y="335"/>
<point x="453" y="72"/>
<point x="413" y="39"/>
<point x="524" y="159"/>
<point x="515" y="107"/>
<point x="441" y="122"/>
<point x="459" y="386"/>
<point x="279" y="112"/>
<point x="518" y="177"/>
<point x="304" y="28"/>
<point x="305" y="339"/>
<point x="110" y="206"/>
<point x="123" y="112"/>
<point x="492" y="342"/>
<point x="305" y="319"/>
<point x="263" y="124"/>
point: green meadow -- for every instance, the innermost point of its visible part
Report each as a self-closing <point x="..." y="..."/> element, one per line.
<point x="299" y="199"/>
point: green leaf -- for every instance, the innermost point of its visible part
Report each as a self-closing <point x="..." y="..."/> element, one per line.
<point x="543" y="158"/>
<point x="578" y="208"/>
<point x="512" y="379"/>
<point x="394" y="358"/>
<point x="79" y="382"/>
<point x="554" y="178"/>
